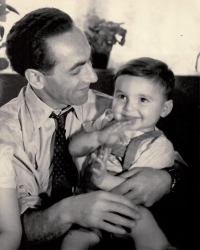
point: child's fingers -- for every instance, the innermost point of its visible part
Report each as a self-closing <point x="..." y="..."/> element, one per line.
<point x="125" y="123"/>
<point x="106" y="154"/>
<point x="120" y="125"/>
<point x="96" y="160"/>
<point x="109" y="151"/>
<point x="94" y="157"/>
<point x="101" y="164"/>
<point x="101" y="152"/>
<point x="96" y="172"/>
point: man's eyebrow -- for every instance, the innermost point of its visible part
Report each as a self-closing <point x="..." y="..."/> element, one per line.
<point x="80" y="63"/>
<point x="77" y="65"/>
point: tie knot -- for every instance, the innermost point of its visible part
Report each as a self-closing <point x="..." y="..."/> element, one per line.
<point x="60" y="118"/>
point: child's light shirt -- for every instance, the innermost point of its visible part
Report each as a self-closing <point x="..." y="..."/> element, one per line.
<point x="159" y="154"/>
<point x="7" y="172"/>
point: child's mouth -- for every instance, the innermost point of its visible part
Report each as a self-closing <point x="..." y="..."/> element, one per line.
<point x="129" y="118"/>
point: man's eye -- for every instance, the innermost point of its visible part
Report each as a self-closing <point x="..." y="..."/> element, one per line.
<point x="143" y="99"/>
<point x="76" y="71"/>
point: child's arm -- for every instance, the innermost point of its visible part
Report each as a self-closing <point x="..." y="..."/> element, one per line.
<point x="84" y="143"/>
<point x="100" y="177"/>
<point x="10" y="224"/>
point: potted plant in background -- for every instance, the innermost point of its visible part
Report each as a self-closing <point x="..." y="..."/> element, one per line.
<point x="102" y="35"/>
<point x="4" y="10"/>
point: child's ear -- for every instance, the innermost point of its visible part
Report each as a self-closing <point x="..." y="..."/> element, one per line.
<point x="35" y="78"/>
<point x="167" y="108"/>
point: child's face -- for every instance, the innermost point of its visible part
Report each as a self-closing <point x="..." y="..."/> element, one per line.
<point x="138" y="99"/>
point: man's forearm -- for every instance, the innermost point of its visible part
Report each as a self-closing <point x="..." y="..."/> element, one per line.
<point x="178" y="173"/>
<point x="9" y="240"/>
<point x="44" y="225"/>
<point x="144" y="185"/>
<point x="110" y="182"/>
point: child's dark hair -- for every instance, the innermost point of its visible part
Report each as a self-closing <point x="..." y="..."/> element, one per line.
<point x="150" y="68"/>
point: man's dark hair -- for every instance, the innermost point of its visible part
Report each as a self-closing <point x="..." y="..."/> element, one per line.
<point x="152" y="69"/>
<point x="26" y="41"/>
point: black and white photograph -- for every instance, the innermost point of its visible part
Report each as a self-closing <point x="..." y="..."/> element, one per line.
<point x="99" y="125"/>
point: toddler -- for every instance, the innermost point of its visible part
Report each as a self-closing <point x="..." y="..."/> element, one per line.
<point x="143" y="94"/>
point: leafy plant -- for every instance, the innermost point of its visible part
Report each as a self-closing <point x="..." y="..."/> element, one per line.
<point x="4" y="10"/>
<point x="102" y="34"/>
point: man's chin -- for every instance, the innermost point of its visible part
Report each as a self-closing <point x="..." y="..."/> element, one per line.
<point x="82" y="100"/>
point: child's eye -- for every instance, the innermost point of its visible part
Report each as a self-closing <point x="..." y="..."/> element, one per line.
<point x="123" y="97"/>
<point x="142" y="99"/>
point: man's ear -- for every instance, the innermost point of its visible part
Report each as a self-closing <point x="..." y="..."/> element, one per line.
<point x="35" y="78"/>
<point x="167" y="108"/>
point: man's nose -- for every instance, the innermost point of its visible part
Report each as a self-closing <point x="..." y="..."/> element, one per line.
<point x="89" y="74"/>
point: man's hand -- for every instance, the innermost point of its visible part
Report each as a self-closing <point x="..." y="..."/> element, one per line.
<point x="144" y="185"/>
<point x="101" y="210"/>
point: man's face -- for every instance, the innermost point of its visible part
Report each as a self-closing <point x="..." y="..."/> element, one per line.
<point x="72" y="74"/>
<point x="138" y="99"/>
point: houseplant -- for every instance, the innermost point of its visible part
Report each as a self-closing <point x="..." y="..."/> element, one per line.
<point x="4" y="10"/>
<point x="102" y="35"/>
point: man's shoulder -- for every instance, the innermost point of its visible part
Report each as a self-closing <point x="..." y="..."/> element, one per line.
<point x="15" y="103"/>
<point x="9" y="112"/>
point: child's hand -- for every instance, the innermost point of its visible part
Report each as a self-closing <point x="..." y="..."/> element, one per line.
<point x="99" y="167"/>
<point x="114" y="133"/>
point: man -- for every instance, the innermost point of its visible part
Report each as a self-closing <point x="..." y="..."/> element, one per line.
<point x="53" y="54"/>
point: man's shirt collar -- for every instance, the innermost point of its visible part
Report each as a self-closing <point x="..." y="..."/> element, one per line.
<point x="40" y="111"/>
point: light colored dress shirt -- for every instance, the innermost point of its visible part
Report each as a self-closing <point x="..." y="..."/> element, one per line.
<point x="26" y="127"/>
<point x="7" y="172"/>
<point x="159" y="154"/>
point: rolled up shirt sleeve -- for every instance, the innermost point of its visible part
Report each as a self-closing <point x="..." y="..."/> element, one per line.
<point x="7" y="172"/>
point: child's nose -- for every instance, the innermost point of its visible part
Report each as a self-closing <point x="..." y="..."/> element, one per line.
<point x="130" y="106"/>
